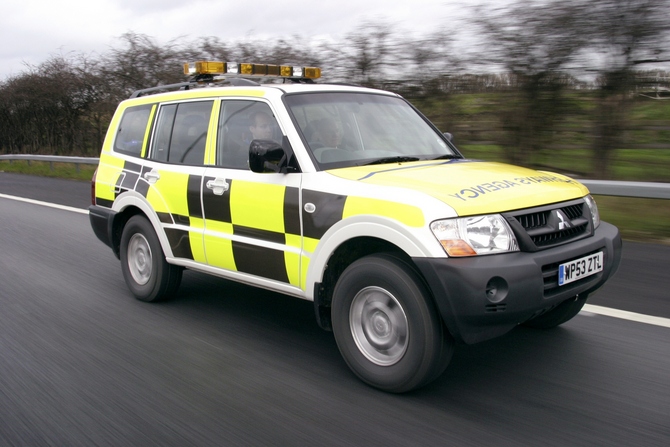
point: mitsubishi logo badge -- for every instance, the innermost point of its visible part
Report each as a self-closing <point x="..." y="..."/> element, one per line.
<point x="563" y="220"/>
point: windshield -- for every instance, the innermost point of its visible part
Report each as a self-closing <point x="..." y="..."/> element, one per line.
<point x="353" y="129"/>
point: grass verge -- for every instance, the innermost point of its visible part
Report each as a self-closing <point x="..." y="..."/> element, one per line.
<point x="46" y="169"/>
<point x="644" y="220"/>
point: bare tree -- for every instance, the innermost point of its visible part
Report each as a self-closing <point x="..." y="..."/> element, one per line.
<point x="46" y="109"/>
<point x="144" y="63"/>
<point x="210" y="48"/>
<point x="626" y="34"/>
<point x="364" y="56"/>
<point x="534" y="42"/>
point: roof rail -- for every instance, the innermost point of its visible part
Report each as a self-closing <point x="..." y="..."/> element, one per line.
<point x="160" y="88"/>
<point x="193" y="83"/>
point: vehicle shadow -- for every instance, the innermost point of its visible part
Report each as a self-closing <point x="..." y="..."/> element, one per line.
<point x="520" y="360"/>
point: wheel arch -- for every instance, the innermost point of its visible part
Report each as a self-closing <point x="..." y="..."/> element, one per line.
<point x="131" y="204"/>
<point x="345" y="253"/>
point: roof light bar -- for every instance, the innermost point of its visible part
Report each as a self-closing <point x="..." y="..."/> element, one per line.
<point x="222" y="68"/>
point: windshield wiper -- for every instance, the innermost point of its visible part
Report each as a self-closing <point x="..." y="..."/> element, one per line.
<point x="446" y="157"/>
<point x="398" y="159"/>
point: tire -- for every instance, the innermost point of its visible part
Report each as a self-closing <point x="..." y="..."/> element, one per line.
<point x="558" y="315"/>
<point x="146" y="272"/>
<point x="386" y="326"/>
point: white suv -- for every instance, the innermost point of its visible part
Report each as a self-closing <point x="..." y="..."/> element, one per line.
<point x="350" y="198"/>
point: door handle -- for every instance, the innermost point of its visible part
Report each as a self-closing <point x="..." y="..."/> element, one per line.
<point x="218" y="186"/>
<point x="152" y="176"/>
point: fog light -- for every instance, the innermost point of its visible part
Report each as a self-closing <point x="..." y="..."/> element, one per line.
<point x="496" y="289"/>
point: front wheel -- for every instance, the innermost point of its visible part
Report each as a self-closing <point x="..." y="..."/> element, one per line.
<point x="558" y="315"/>
<point x="145" y="270"/>
<point x="386" y="326"/>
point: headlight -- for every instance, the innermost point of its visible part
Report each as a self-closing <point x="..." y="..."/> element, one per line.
<point x="595" y="215"/>
<point x="476" y="235"/>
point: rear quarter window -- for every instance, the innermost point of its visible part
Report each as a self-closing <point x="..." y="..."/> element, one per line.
<point x="181" y="133"/>
<point x="131" y="133"/>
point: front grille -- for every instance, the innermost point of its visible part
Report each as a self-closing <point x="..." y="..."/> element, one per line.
<point x="558" y="237"/>
<point x="533" y="220"/>
<point x="574" y="211"/>
<point x="552" y="225"/>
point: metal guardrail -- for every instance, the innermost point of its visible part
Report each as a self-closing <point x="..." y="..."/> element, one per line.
<point x="641" y="190"/>
<point x="51" y="159"/>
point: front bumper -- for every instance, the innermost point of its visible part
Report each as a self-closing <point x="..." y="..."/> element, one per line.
<point x="483" y="297"/>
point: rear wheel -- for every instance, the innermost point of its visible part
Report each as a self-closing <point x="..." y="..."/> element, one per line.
<point x="145" y="270"/>
<point x="386" y="326"/>
<point x="558" y="315"/>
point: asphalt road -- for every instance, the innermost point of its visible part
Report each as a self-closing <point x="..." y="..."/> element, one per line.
<point x="83" y="363"/>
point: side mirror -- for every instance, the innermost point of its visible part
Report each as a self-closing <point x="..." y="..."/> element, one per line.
<point x="267" y="156"/>
<point x="449" y="136"/>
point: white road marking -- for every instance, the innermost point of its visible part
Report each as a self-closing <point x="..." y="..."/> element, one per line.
<point x="588" y="308"/>
<point x="50" y="205"/>
<point x="625" y="315"/>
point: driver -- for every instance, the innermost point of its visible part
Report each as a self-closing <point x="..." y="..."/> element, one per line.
<point x="261" y="126"/>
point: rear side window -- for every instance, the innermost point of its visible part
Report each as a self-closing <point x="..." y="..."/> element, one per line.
<point x="130" y="136"/>
<point x="181" y="133"/>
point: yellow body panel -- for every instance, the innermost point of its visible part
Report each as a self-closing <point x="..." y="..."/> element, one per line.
<point x="472" y="187"/>
<point x="407" y="214"/>
<point x="308" y="246"/>
<point x="293" y="261"/>
<point x="168" y="194"/>
<point x="107" y="176"/>
<point x="210" y="151"/>
<point x="195" y="239"/>
<point x="248" y="198"/>
<point x="193" y="94"/>
<point x="147" y="132"/>
<point x="219" y="250"/>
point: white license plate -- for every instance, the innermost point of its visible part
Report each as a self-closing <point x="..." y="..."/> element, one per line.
<point x="580" y="268"/>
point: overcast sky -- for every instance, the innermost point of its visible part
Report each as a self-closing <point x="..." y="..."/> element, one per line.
<point x="32" y="30"/>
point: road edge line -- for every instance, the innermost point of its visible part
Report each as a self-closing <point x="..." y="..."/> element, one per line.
<point x="47" y="204"/>
<point x="626" y="315"/>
